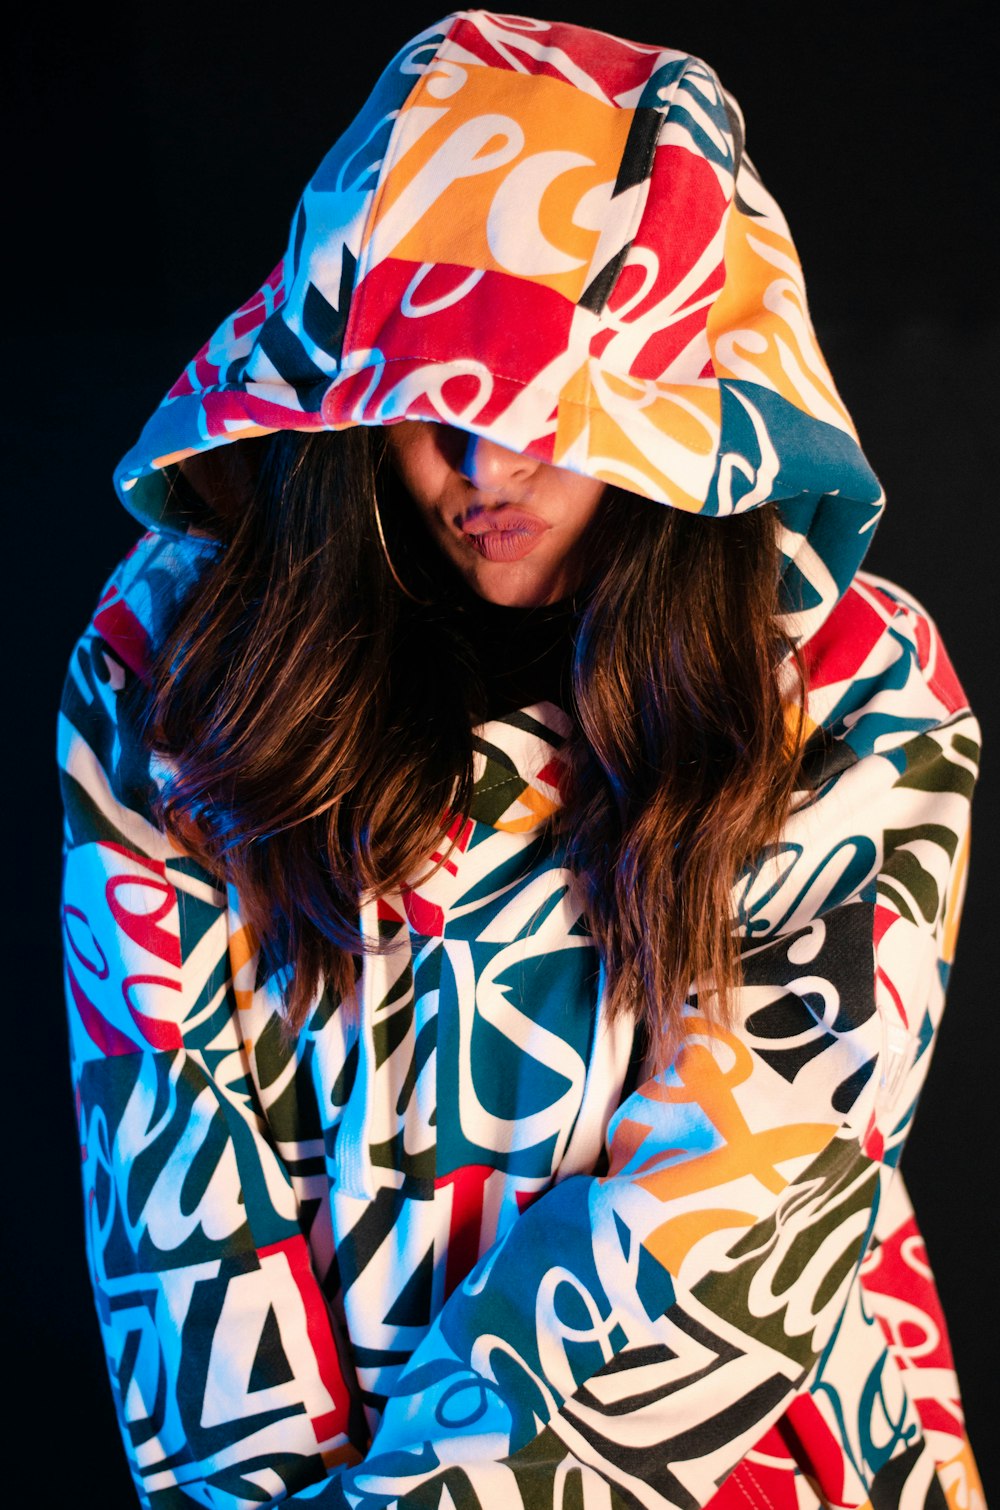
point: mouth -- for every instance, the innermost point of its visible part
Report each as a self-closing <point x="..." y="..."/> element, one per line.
<point x="503" y="534"/>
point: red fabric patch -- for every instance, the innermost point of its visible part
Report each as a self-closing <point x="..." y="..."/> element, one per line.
<point x="106" y="1036"/>
<point x="884" y="917"/>
<point x="882" y="921"/>
<point x="902" y="1270"/>
<point x="814" y="1446"/>
<point x="458" y="832"/>
<point x="124" y="632"/>
<point x="553" y="773"/>
<point x="678" y="177"/>
<point x="251" y="315"/>
<point x="464" y="1230"/>
<point x="387" y="913"/>
<point x="760" y="1485"/>
<point x="321" y="1340"/>
<point x="873" y="1143"/>
<point x="143" y="928"/>
<point x="159" y="1032"/>
<point x="615" y="67"/>
<point x="841" y="645"/>
<point x="935" y="663"/>
<point x="425" y="918"/>
<point x="222" y="410"/>
<point x="528" y="326"/>
<point x="600" y="340"/>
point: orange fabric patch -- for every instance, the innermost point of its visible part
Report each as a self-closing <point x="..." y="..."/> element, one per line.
<point x="758" y="327"/>
<point x="519" y="188"/>
<point x="631" y="420"/>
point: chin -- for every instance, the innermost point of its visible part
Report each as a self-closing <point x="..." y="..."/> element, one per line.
<point x="509" y="592"/>
<point x="510" y="585"/>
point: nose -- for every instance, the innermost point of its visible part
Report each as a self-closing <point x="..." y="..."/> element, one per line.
<point x="492" y="468"/>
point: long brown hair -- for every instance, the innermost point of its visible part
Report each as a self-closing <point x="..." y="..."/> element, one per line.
<point x="319" y="722"/>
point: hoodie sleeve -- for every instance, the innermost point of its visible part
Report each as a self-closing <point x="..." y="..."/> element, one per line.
<point x="222" y="1351"/>
<point x="633" y="1336"/>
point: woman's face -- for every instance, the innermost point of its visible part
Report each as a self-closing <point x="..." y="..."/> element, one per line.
<point x="515" y="528"/>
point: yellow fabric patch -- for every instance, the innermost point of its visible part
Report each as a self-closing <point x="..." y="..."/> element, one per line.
<point x="242" y="954"/>
<point x="799" y="727"/>
<point x="672" y="1242"/>
<point x="956" y="896"/>
<point x="744" y="1151"/>
<point x="631" y="420"/>
<point x="759" y="329"/>
<point x="511" y="173"/>
<point x="963" y="1488"/>
<point x="540" y="809"/>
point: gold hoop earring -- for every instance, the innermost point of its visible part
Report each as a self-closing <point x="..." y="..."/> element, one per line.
<point x="423" y="602"/>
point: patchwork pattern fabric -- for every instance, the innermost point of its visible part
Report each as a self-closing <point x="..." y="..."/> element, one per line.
<point x="553" y="238"/>
<point x="460" y="1248"/>
<point x="455" y="1245"/>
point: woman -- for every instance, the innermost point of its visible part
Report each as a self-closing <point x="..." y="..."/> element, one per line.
<point x="507" y="914"/>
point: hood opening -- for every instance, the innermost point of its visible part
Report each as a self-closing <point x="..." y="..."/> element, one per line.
<point x="554" y="238"/>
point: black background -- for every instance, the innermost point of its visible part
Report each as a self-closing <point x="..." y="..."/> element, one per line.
<point x="154" y="156"/>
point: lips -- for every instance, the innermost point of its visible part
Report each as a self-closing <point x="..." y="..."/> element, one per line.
<point x="503" y="534"/>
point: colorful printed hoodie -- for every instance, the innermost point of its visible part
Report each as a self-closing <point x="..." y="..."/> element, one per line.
<point x="466" y="1249"/>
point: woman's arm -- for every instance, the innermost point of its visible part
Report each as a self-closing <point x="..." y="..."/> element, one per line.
<point x="221" y="1349"/>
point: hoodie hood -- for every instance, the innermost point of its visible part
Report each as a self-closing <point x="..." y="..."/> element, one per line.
<point x="553" y="238"/>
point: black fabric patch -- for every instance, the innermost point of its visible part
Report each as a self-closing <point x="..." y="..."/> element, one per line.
<point x="412" y="1306"/>
<point x="823" y="758"/>
<point x="270" y="1364"/>
<point x="298" y="237"/>
<point x="793" y="1025"/>
<point x="849" y="1090"/>
<point x="357" y="1249"/>
<point x="740" y="160"/>
<point x="888" y="1487"/>
<point x="844" y="959"/>
<point x="634" y="168"/>
<point x="322" y="323"/>
<point x="285" y="351"/>
<point x="598" y="290"/>
<point x="783" y="1018"/>
<point x="637" y="159"/>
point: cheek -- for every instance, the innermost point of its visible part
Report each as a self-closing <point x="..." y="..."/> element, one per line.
<point x="586" y="508"/>
<point x="415" y="466"/>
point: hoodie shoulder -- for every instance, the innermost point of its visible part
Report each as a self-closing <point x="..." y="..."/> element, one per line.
<point x="141" y="599"/>
<point x="107" y="775"/>
<point x="878" y="671"/>
<point x="912" y="619"/>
